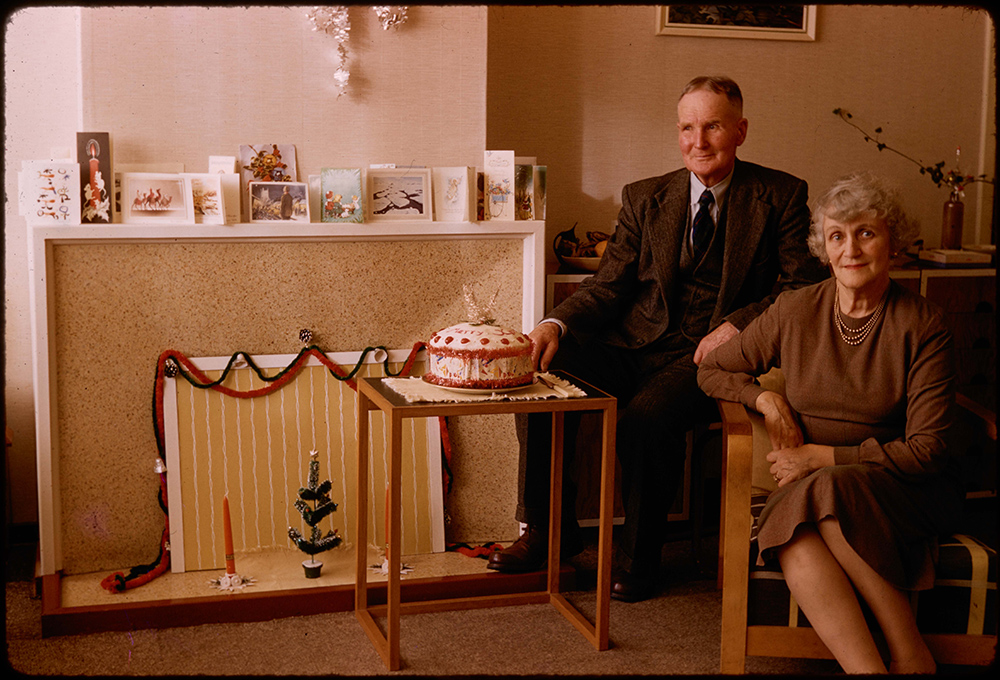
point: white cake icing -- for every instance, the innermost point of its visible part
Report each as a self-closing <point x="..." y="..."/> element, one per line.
<point x="480" y="356"/>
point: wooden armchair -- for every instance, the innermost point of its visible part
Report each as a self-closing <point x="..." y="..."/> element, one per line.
<point x="958" y="617"/>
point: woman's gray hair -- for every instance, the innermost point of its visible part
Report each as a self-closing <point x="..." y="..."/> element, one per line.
<point x="858" y="195"/>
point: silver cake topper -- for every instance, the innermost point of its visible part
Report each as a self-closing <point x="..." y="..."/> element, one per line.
<point x="479" y="315"/>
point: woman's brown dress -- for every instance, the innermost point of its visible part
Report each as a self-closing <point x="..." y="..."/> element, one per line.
<point x="885" y="405"/>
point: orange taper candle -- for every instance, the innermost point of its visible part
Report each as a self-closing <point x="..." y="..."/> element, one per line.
<point x="227" y="528"/>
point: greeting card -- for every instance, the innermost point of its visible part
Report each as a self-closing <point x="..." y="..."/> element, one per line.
<point x="265" y="163"/>
<point x="538" y="176"/>
<point x="341" y="196"/>
<point x="51" y="192"/>
<point x="454" y="191"/>
<point x="524" y="192"/>
<point x="498" y="190"/>
<point x="93" y="153"/>
<point x="208" y="197"/>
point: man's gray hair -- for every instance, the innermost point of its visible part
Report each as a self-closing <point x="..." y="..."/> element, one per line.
<point x="719" y="85"/>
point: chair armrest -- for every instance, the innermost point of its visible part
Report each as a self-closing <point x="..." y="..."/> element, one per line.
<point x="988" y="417"/>
<point x="735" y="419"/>
<point x="737" y="462"/>
<point x="734" y="531"/>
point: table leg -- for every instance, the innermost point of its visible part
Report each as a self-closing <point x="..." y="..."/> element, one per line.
<point x="386" y="645"/>
<point x="361" y="519"/>
<point x="555" y="500"/>
<point x="394" y="558"/>
<point x="598" y="631"/>
<point x="605" y="524"/>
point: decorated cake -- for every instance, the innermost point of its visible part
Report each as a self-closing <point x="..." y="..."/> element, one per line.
<point x="478" y="354"/>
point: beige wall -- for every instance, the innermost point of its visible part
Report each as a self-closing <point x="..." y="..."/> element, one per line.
<point x="590" y="91"/>
<point x="41" y="111"/>
<point x="182" y="83"/>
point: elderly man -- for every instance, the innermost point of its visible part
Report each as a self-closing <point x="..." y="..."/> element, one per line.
<point x="694" y="258"/>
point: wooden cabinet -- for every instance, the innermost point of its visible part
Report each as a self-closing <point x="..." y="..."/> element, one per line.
<point x="969" y="300"/>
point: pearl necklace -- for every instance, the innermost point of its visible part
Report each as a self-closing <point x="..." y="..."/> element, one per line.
<point x="852" y="336"/>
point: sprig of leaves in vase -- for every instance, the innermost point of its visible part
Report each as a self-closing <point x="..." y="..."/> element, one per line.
<point x="953" y="178"/>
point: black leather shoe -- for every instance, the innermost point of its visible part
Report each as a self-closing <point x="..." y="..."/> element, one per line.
<point x="531" y="550"/>
<point x="629" y="587"/>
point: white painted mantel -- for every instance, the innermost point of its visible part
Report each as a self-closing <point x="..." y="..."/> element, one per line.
<point x="43" y="240"/>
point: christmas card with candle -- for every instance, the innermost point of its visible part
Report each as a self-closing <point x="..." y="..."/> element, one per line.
<point x="93" y="153"/>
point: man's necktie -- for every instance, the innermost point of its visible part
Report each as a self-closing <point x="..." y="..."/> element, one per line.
<point x="703" y="225"/>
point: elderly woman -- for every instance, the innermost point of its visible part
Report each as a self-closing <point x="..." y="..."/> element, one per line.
<point x="865" y="482"/>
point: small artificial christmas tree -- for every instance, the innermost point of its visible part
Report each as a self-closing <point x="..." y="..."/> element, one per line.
<point x="319" y="495"/>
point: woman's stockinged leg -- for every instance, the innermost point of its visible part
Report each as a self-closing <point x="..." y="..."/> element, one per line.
<point x="890" y="605"/>
<point x="824" y="592"/>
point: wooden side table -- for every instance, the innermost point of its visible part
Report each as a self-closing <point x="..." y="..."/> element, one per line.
<point x="373" y="394"/>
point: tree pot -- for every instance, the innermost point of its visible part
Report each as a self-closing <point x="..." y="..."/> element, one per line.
<point x="313" y="568"/>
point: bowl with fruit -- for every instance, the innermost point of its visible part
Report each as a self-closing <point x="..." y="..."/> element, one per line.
<point x="577" y="253"/>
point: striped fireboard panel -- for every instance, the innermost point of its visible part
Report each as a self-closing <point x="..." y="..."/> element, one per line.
<point x="256" y="452"/>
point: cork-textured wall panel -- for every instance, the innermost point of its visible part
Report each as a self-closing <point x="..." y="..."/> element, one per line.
<point x="117" y="307"/>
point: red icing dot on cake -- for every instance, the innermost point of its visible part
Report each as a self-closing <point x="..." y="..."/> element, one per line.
<point x="485" y="341"/>
<point x="505" y="341"/>
<point x="464" y="340"/>
<point x="448" y="339"/>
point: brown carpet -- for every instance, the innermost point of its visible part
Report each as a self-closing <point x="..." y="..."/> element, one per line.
<point x="675" y="633"/>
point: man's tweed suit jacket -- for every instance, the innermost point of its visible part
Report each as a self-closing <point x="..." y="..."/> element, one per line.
<point x="628" y="302"/>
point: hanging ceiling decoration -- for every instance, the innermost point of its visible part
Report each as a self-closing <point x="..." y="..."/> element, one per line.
<point x="335" y="22"/>
<point x="391" y="16"/>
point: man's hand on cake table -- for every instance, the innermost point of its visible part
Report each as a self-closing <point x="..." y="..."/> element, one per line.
<point x="545" y="339"/>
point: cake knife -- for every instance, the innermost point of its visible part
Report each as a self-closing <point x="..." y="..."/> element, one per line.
<point x="552" y="386"/>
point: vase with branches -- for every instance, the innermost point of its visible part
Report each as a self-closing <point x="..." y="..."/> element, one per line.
<point x="953" y="178"/>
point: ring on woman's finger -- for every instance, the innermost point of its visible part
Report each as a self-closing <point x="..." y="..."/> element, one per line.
<point x="775" y="477"/>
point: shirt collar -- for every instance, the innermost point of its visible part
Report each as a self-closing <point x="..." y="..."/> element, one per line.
<point x="719" y="191"/>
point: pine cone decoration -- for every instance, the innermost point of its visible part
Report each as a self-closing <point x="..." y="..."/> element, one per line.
<point x="170" y="368"/>
<point x="305" y="336"/>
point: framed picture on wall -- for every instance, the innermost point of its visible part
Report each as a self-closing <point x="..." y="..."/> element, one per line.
<point x="762" y="21"/>
<point x="399" y="194"/>
<point x="155" y="198"/>
<point x="279" y="202"/>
